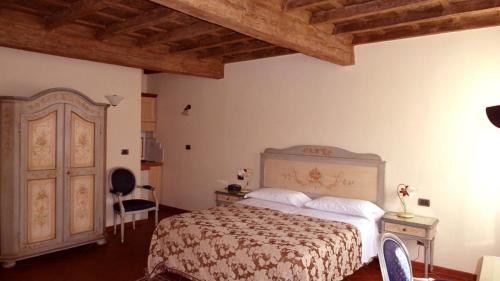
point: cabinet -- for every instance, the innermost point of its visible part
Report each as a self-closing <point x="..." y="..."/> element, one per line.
<point x="148" y="112"/>
<point x="52" y="170"/>
<point x="152" y="175"/>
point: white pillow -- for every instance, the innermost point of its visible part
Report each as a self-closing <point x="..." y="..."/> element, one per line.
<point x="353" y="207"/>
<point x="280" y="195"/>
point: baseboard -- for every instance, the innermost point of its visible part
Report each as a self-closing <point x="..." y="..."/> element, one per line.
<point x="447" y="273"/>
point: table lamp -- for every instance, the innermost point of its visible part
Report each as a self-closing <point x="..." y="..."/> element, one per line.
<point x="245" y="175"/>
<point x="404" y="191"/>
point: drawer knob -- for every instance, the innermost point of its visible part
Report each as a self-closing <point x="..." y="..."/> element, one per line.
<point x="404" y="228"/>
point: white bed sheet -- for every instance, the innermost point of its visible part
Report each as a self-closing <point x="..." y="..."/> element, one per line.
<point x="368" y="229"/>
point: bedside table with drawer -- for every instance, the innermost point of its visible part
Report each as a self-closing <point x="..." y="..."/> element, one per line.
<point x="419" y="228"/>
<point x="224" y="197"/>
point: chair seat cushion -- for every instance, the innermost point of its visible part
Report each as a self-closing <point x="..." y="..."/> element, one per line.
<point x="134" y="205"/>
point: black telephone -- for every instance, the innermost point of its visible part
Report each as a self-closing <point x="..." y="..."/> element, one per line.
<point x="234" y="188"/>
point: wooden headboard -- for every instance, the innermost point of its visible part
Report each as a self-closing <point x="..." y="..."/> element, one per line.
<point x="324" y="170"/>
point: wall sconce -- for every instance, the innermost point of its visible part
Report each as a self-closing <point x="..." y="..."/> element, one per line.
<point x="114" y="100"/>
<point x="186" y="110"/>
<point x="493" y="113"/>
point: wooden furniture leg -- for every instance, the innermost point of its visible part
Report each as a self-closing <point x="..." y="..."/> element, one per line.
<point x="122" y="228"/>
<point x="432" y="255"/>
<point x="114" y="223"/>
<point x="426" y="259"/>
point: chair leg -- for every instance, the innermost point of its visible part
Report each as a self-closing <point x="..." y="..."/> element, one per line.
<point x="122" y="227"/>
<point x="114" y="223"/>
<point x="156" y="216"/>
<point x="133" y="221"/>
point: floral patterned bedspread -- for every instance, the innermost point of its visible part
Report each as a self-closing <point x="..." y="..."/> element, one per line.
<point x="241" y="242"/>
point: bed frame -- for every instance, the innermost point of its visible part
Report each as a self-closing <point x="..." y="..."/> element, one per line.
<point x="324" y="170"/>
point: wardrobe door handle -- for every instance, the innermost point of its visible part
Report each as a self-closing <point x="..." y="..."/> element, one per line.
<point x="68" y="173"/>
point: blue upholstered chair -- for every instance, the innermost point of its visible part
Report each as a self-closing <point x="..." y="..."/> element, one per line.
<point x="122" y="182"/>
<point x="394" y="259"/>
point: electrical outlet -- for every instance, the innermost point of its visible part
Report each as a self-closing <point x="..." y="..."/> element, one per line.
<point x="188" y="147"/>
<point x="424" y="202"/>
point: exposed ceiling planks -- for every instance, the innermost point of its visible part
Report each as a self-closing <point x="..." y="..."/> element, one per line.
<point x="366" y="9"/>
<point x="289" y="5"/>
<point x="180" y="33"/>
<point x="276" y="51"/>
<point x="262" y="20"/>
<point x="77" y="10"/>
<point x="149" y="18"/>
<point x="34" y="37"/>
<point x="471" y="21"/>
<point x="136" y="33"/>
<point x="237" y="48"/>
<point x="197" y="37"/>
<point x="420" y="16"/>
<point x="212" y="42"/>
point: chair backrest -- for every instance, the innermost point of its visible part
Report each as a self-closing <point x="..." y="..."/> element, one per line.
<point x="122" y="180"/>
<point x="394" y="259"/>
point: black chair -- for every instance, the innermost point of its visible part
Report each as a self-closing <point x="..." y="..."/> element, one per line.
<point x="122" y="182"/>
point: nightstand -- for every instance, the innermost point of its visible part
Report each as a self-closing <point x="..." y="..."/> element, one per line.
<point x="419" y="228"/>
<point x="224" y="197"/>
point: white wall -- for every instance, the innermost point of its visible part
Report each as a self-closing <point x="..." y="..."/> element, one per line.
<point x="25" y="74"/>
<point x="419" y="103"/>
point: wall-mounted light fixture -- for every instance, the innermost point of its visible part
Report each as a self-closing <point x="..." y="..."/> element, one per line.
<point x="186" y="110"/>
<point x="493" y="113"/>
<point x="114" y="100"/>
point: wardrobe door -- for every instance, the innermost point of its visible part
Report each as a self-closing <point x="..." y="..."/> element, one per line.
<point x="83" y="174"/>
<point x="41" y="178"/>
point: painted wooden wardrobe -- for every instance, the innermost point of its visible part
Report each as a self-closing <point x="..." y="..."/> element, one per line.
<point x="52" y="173"/>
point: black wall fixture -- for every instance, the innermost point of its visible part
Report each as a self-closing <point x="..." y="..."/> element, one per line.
<point x="493" y="113"/>
<point x="186" y="110"/>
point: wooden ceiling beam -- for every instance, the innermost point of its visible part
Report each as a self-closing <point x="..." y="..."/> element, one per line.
<point x="264" y="20"/>
<point x="447" y="25"/>
<point x="289" y="5"/>
<point x="122" y="6"/>
<point x="75" y="11"/>
<point x="180" y="33"/>
<point x="236" y="49"/>
<point x="138" y="22"/>
<point x="6" y="3"/>
<point x="416" y="17"/>
<point x="365" y="9"/>
<point x="30" y="35"/>
<point x="276" y="51"/>
<point x="211" y="43"/>
<point x="444" y="3"/>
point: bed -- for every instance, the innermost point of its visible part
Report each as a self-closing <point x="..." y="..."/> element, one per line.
<point x="257" y="239"/>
